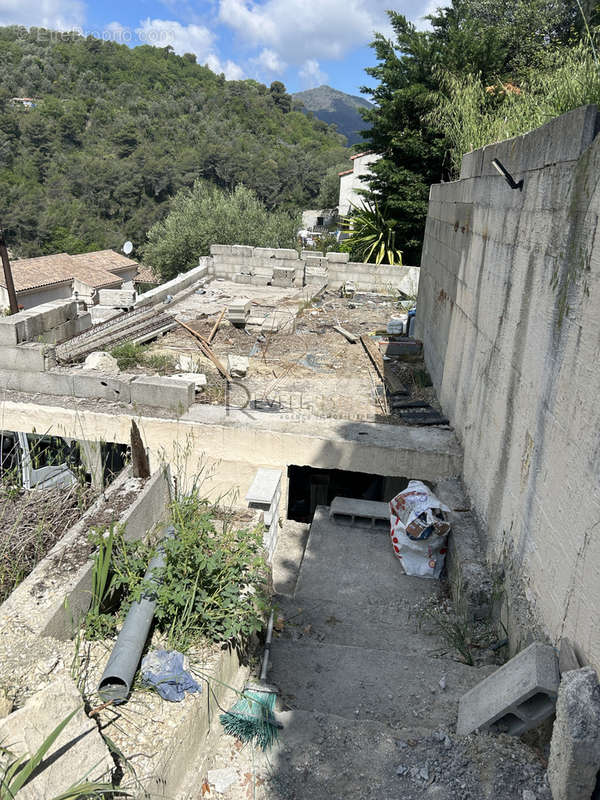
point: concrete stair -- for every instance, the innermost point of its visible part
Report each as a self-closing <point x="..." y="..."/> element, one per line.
<point x="368" y="691"/>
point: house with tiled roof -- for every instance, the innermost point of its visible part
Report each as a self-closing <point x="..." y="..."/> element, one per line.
<point x="60" y="276"/>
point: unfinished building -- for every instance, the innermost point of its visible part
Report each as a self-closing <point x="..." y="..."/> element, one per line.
<point x="286" y="388"/>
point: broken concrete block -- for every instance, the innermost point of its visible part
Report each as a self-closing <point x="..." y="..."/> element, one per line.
<point x="575" y="747"/>
<point x="360" y="513"/>
<point x="264" y="487"/>
<point x="103" y="362"/>
<point x="78" y="753"/>
<point x="222" y="779"/>
<point x="567" y="657"/>
<point x="238" y="310"/>
<point x="237" y="366"/>
<point x="197" y="377"/>
<point x="515" y="698"/>
<point x="338" y="258"/>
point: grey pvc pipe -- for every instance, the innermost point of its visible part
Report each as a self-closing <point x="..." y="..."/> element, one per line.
<point x="116" y="680"/>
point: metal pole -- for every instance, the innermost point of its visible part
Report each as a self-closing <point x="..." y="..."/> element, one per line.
<point x="10" y="286"/>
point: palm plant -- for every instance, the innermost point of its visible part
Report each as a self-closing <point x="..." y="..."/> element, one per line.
<point x="372" y="236"/>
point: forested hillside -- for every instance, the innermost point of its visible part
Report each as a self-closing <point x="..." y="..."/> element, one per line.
<point x="116" y="132"/>
<point x="338" y="108"/>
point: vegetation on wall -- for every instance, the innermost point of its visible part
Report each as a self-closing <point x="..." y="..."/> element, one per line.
<point x="483" y="71"/>
<point x="117" y="132"/>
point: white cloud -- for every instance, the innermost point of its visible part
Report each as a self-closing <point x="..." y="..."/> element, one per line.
<point x="61" y="15"/>
<point x="301" y="32"/>
<point x="269" y="61"/>
<point x="311" y="74"/>
<point x="195" y="39"/>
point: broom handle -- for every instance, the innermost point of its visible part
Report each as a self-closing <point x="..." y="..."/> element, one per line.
<point x="267" y="653"/>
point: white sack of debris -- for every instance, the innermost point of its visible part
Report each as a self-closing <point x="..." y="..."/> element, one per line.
<point x="419" y="530"/>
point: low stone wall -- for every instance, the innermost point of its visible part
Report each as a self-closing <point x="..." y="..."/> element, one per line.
<point x="30" y="376"/>
<point x="172" y="287"/>
<point x="284" y="267"/>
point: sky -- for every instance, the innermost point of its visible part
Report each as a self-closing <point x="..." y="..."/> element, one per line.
<point x="304" y="44"/>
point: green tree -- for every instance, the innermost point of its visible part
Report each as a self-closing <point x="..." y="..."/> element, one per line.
<point x="207" y="215"/>
<point x="499" y="41"/>
<point x="280" y="97"/>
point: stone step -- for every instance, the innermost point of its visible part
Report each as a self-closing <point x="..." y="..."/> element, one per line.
<point x="398" y="690"/>
<point x="395" y="626"/>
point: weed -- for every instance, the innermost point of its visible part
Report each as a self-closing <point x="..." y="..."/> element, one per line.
<point x="18" y="771"/>
<point x="160" y="362"/>
<point x="128" y="355"/>
<point x="213" y="585"/>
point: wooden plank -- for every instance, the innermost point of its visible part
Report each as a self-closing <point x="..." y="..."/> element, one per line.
<point x="351" y="337"/>
<point x="205" y="347"/>
<point x="393" y="384"/>
<point x="211" y="335"/>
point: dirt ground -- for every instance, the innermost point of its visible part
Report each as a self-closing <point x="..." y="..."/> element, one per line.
<point x="305" y="365"/>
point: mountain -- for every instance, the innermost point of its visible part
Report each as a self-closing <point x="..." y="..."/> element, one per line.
<point x="114" y="133"/>
<point x="332" y="106"/>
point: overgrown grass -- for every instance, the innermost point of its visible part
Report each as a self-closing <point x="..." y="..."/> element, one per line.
<point x="213" y="585"/>
<point x="130" y="355"/>
<point x="473" y="115"/>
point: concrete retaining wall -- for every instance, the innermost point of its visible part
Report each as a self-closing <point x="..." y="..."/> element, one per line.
<point x="257" y="264"/>
<point x="509" y="314"/>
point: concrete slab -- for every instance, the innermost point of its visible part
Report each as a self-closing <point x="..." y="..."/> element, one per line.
<point x="371" y="570"/>
<point x="174" y="393"/>
<point x="335" y="679"/>
<point x="516" y="698"/>
<point x="288" y="555"/>
<point x="360" y="513"/>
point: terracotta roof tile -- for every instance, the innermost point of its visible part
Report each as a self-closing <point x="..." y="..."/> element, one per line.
<point x="95" y="269"/>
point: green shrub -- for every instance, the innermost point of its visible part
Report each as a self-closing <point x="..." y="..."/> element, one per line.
<point x="128" y="355"/>
<point x="213" y="585"/>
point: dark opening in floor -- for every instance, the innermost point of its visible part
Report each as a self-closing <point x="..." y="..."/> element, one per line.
<point x="310" y="487"/>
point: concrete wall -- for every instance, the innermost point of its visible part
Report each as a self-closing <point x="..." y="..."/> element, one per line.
<point x="225" y="448"/>
<point x="35" y="297"/>
<point x="509" y="313"/>
<point x="172" y="287"/>
<point x="229" y="261"/>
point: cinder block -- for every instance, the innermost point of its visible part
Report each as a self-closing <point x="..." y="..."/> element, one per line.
<point x="315" y="280"/>
<point x="338" y="258"/>
<point x="284" y="272"/>
<point x="103" y="387"/>
<point x="264" y="487"/>
<point x="574" y="759"/>
<point x="360" y="513"/>
<point x="263" y="272"/>
<point x="242" y="278"/>
<point x="220" y="249"/>
<point x="311" y="254"/>
<point x="260" y="280"/>
<point x="470" y="582"/>
<point x="172" y="393"/>
<point x="237" y="366"/>
<point x="312" y="261"/>
<point x="52" y="383"/>
<point x="517" y="697"/>
<point x="117" y="298"/>
<point x="242" y="250"/>
<point x="283" y="283"/>
<point x="286" y="254"/>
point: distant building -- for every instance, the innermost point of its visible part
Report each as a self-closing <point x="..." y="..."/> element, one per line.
<point x="351" y="181"/>
<point x="27" y="102"/>
<point x="60" y="276"/>
<point x="318" y="219"/>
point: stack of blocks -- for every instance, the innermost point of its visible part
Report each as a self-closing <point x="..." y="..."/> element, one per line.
<point x="238" y="311"/>
<point x="265" y="495"/>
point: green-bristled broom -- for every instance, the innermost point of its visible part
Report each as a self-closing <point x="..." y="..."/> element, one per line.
<point x="252" y="717"/>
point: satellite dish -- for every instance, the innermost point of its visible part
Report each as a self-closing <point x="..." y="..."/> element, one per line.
<point x="128" y="248"/>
